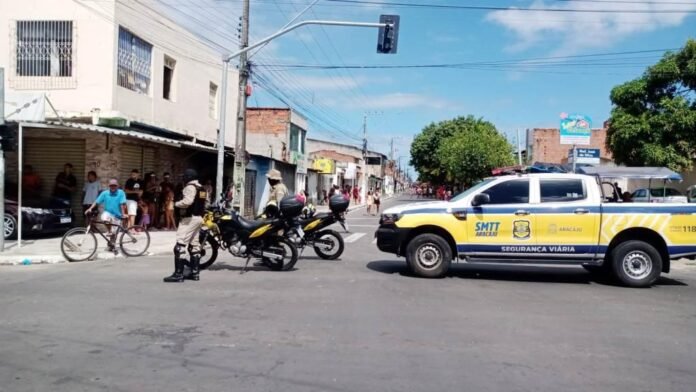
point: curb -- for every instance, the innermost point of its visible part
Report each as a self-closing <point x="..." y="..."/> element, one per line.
<point x="11" y="260"/>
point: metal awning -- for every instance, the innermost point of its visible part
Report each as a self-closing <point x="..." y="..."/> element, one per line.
<point x="122" y="132"/>
<point x="637" y="173"/>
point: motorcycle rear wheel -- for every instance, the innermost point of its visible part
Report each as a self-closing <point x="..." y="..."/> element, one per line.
<point x="281" y="246"/>
<point x="333" y="240"/>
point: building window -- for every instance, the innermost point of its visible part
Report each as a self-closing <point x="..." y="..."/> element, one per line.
<point x="295" y="138"/>
<point x="168" y="78"/>
<point x="134" y="62"/>
<point x="212" y="101"/>
<point x="44" y="48"/>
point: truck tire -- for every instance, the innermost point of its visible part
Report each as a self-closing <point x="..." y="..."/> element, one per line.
<point x="636" y="263"/>
<point x="429" y="256"/>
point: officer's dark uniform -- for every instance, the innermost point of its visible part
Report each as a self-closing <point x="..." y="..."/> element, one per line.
<point x="191" y="209"/>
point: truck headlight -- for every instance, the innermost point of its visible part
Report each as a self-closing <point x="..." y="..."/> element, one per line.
<point x="389" y="219"/>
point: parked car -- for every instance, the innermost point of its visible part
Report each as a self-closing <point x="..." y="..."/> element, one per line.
<point x="691" y="194"/>
<point x="35" y="219"/>
<point x="658" y="195"/>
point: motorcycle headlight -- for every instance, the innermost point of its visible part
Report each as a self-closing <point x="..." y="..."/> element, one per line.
<point x="389" y="219"/>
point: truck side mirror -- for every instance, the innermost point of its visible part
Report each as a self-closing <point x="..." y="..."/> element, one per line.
<point x="481" y="199"/>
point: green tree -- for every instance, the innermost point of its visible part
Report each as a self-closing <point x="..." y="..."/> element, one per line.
<point x="653" y="119"/>
<point x="461" y="151"/>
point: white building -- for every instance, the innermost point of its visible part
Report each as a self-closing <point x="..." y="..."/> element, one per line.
<point x="119" y="63"/>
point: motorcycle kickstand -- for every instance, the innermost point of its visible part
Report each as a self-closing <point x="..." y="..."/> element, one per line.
<point x="245" y="266"/>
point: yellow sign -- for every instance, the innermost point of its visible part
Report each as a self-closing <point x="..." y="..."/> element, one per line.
<point x="324" y="166"/>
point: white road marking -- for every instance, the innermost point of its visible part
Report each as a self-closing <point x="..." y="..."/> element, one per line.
<point x="375" y="225"/>
<point x="374" y="241"/>
<point x="353" y="237"/>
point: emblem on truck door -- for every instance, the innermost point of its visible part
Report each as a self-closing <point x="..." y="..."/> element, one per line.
<point x="521" y="230"/>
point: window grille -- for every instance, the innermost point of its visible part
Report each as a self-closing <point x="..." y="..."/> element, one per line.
<point x="43" y="54"/>
<point x="134" y="62"/>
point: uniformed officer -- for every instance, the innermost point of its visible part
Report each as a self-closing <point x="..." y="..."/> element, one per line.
<point x="278" y="189"/>
<point x="191" y="208"/>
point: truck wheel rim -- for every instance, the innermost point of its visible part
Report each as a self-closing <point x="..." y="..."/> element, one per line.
<point x="428" y="256"/>
<point x="9" y="226"/>
<point x="637" y="265"/>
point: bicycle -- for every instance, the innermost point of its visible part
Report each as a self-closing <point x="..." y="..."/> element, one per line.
<point x="80" y="243"/>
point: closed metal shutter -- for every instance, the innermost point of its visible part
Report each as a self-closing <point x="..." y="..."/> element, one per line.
<point x="249" y="193"/>
<point x="48" y="156"/>
<point x="131" y="158"/>
<point x="149" y="161"/>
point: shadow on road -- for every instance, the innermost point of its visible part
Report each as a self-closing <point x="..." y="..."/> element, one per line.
<point x="514" y="273"/>
<point x="237" y="267"/>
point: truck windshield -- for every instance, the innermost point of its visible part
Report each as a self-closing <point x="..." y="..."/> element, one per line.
<point x="471" y="190"/>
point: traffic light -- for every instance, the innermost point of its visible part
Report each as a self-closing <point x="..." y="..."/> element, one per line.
<point x="388" y="37"/>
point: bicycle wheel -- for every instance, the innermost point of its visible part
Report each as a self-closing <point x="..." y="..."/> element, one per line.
<point x="134" y="241"/>
<point x="78" y="244"/>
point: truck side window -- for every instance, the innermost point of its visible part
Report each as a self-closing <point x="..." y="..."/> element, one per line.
<point x="509" y="192"/>
<point x="562" y="189"/>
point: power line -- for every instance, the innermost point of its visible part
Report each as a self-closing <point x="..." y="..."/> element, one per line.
<point x="499" y="8"/>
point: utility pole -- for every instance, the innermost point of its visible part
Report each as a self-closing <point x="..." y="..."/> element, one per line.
<point x="2" y="163"/>
<point x="391" y="150"/>
<point x="240" y="145"/>
<point x="519" y="149"/>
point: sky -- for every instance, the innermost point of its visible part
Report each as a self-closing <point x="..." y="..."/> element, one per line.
<point x="516" y="69"/>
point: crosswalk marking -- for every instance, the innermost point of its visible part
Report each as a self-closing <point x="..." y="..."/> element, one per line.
<point x="353" y="237"/>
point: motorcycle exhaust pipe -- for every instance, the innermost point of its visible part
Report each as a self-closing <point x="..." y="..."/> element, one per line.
<point x="273" y="256"/>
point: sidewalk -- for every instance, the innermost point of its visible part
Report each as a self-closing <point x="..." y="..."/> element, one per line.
<point x="47" y="250"/>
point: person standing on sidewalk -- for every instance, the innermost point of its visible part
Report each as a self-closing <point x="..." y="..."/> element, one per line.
<point x="376" y="198"/>
<point x="134" y="190"/>
<point x="91" y="190"/>
<point x="192" y="208"/>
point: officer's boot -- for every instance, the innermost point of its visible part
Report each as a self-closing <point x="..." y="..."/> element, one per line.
<point x="178" y="275"/>
<point x="195" y="267"/>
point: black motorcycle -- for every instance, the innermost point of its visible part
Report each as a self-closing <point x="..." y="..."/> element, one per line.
<point x="310" y="229"/>
<point x="245" y="238"/>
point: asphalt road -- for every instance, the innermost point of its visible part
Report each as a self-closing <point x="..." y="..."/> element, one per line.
<point x="357" y="324"/>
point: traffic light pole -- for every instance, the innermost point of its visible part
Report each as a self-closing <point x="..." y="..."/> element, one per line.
<point x="240" y="151"/>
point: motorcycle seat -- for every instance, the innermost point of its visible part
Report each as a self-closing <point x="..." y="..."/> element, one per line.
<point x="321" y="215"/>
<point x="251" y="225"/>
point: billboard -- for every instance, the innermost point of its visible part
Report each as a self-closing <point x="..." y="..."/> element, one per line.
<point x="324" y="166"/>
<point x="576" y="129"/>
<point x="585" y="155"/>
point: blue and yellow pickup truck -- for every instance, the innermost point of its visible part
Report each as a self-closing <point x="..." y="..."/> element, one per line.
<point x="561" y="219"/>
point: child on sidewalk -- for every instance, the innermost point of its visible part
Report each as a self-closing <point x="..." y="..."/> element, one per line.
<point x="370" y="202"/>
<point x="169" y="222"/>
<point x="144" y="213"/>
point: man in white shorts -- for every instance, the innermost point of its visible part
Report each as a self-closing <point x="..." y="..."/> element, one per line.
<point x="134" y="190"/>
<point x="114" y="202"/>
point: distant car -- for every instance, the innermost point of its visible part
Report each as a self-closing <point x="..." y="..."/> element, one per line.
<point x="658" y="195"/>
<point x="691" y="194"/>
<point x="36" y="220"/>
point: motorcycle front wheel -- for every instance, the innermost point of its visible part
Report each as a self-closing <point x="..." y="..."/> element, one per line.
<point x="328" y="244"/>
<point x="282" y="247"/>
<point x="209" y="252"/>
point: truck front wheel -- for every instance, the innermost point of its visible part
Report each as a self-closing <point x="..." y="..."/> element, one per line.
<point x="636" y="263"/>
<point x="429" y="256"/>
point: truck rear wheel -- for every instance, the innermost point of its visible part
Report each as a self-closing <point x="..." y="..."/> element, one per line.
<point x="429" y="256"/>
<point x="636" y="263"/>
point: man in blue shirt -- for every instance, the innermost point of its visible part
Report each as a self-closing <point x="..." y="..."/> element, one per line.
<point x="114" y="202"/>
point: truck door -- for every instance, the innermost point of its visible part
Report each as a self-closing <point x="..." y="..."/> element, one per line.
<point x="567" y="220"/>
<point x="506" y="223"/>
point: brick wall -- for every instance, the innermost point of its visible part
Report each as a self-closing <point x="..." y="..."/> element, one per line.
<point x="546" y="145"/>
<point x="267" y="132"/>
